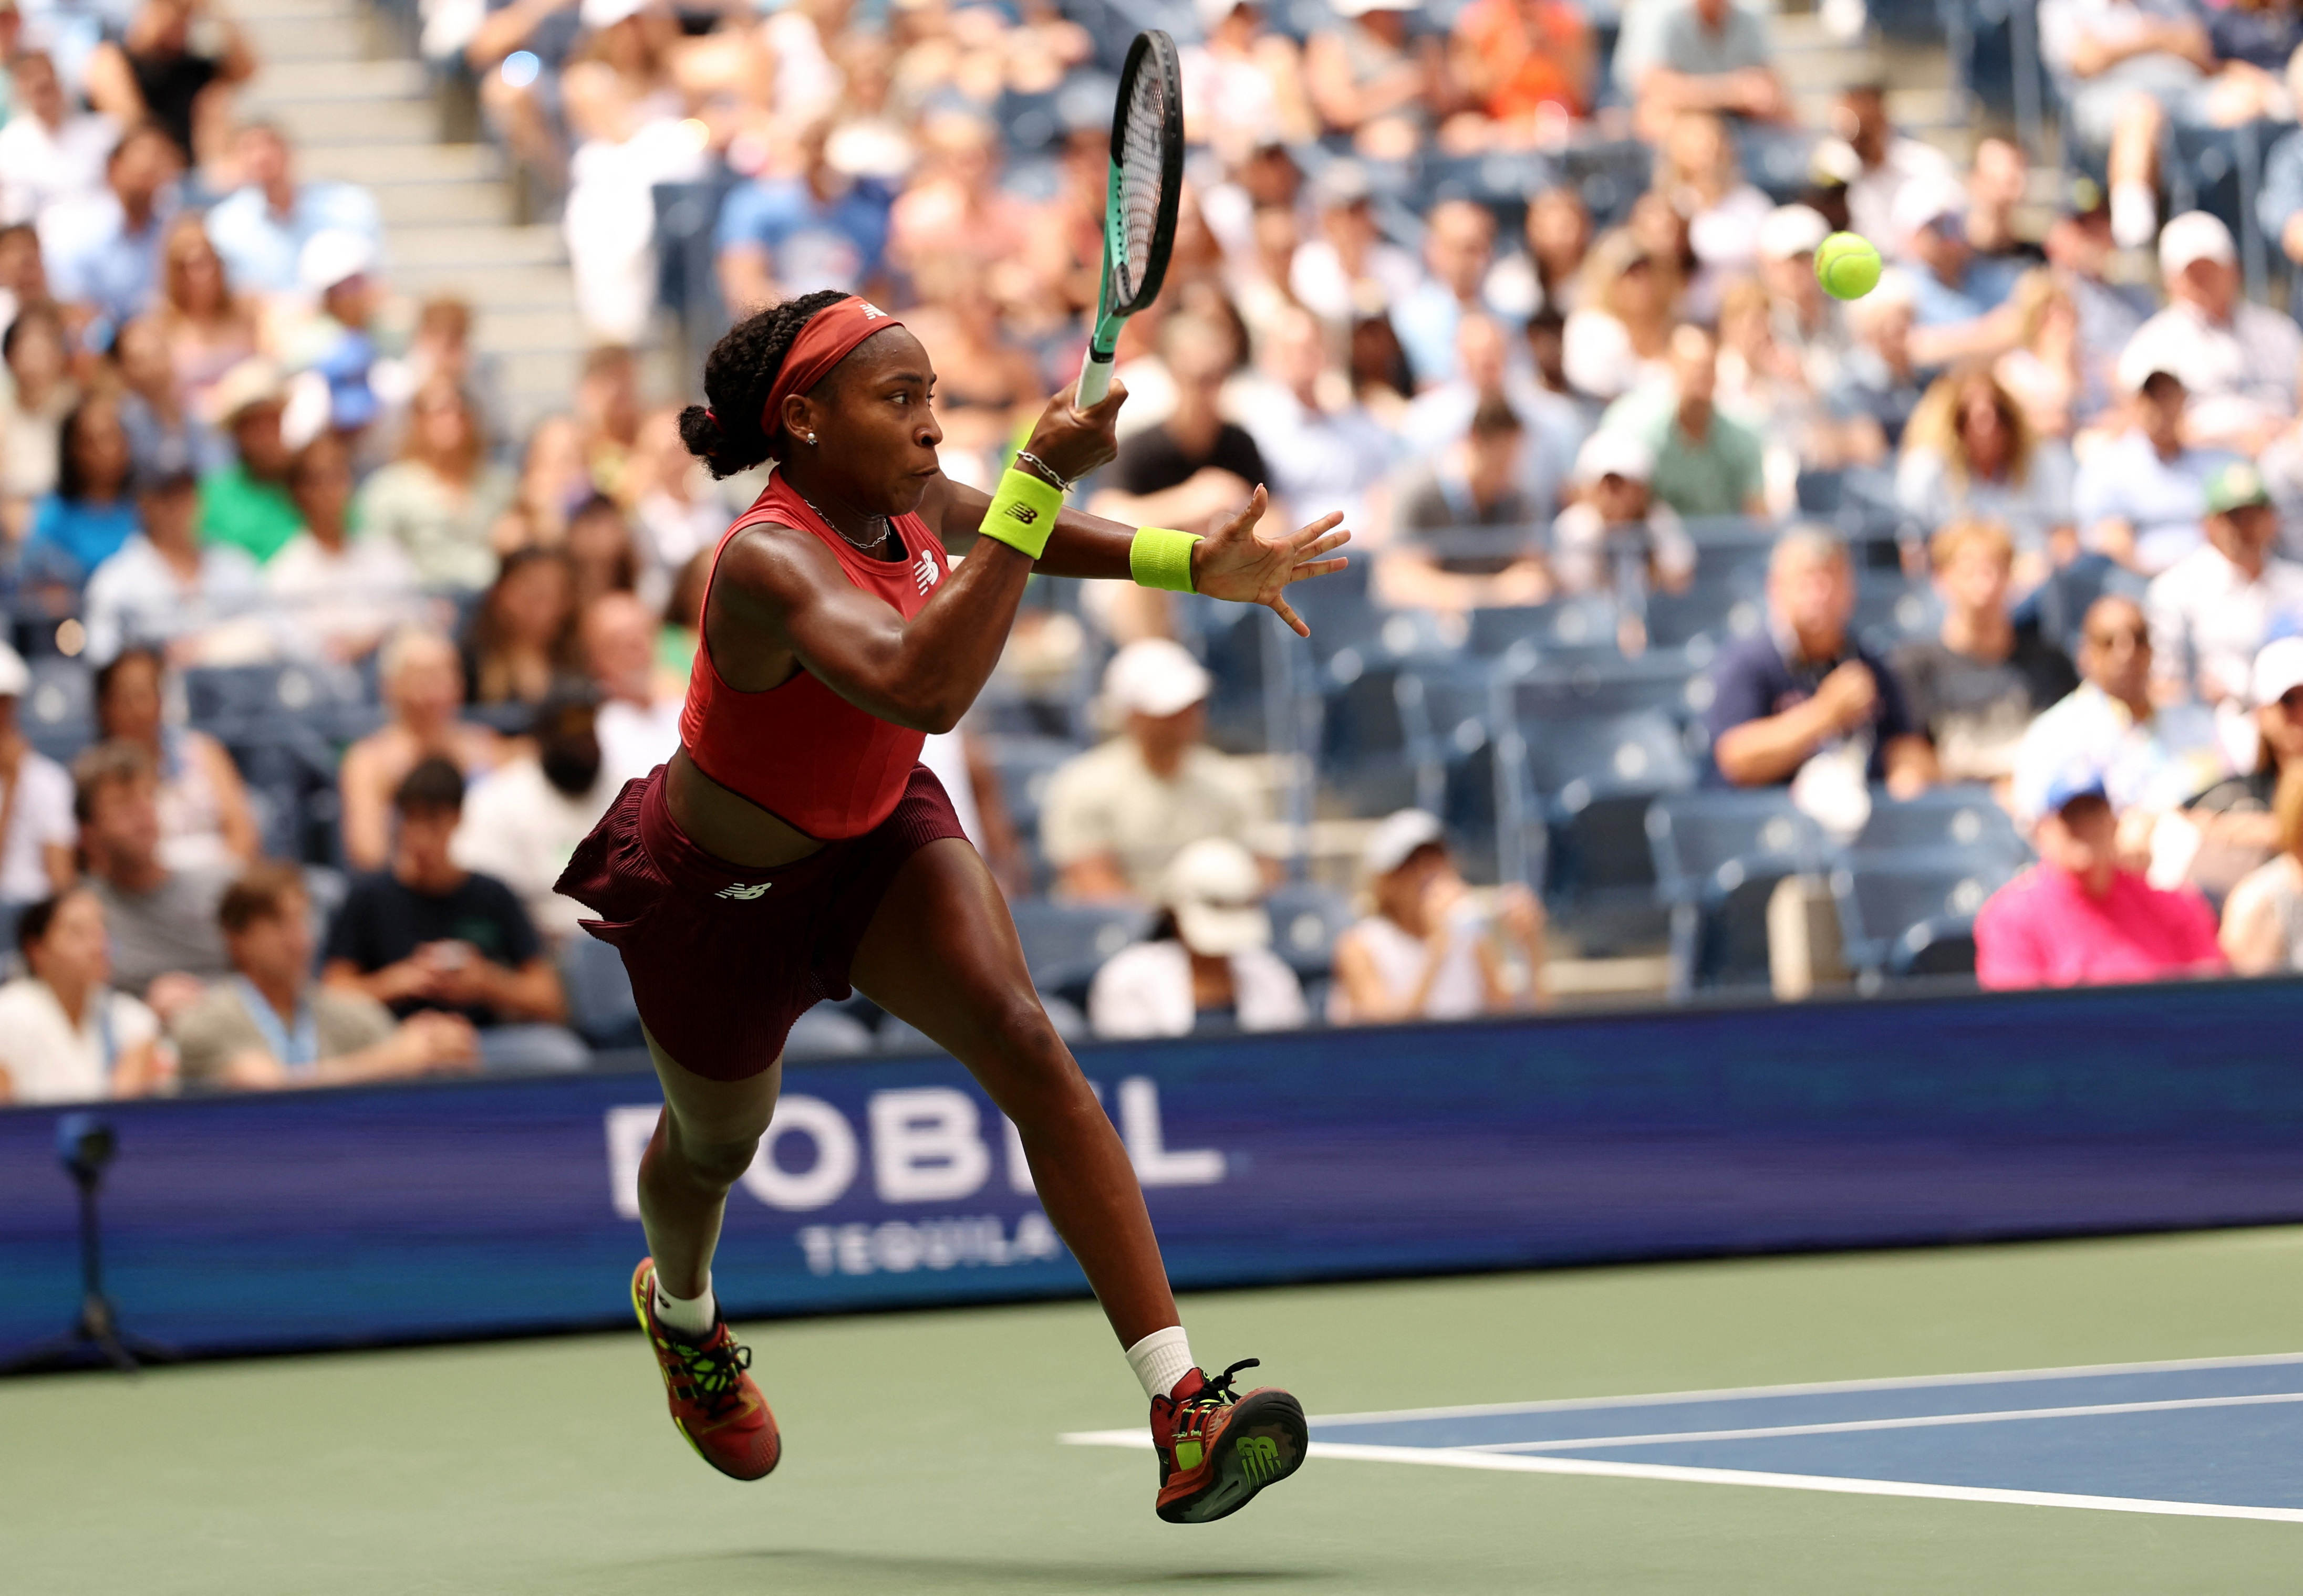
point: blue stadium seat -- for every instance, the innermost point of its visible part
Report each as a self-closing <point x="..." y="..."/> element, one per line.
<point x="1365" y="762"/>
<point x="237" y="701"/>
<point x="1025" y="765"/>
<point x="58" y="716"/>
<point x="1591" y="781"/>
<point x="1306" y="918"/>
<point x="1664" y="679"/>
<point x="1888" y="611"/>
<point x="1883" y="899"/>
<point x="1719" y="855"/>
<point x="1448" y="713"/>
<point x="1577" y="627"/>
<point x="1963" y="818"/>
<point x="1065" y="944"/>
<point x="600" y="1005"/>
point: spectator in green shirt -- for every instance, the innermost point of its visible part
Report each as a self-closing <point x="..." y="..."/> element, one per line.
<point x="1705" y="465"/>
<point x="246" y="503"/>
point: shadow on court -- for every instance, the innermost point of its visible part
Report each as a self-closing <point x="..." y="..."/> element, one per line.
<point x="830" y="1570"/>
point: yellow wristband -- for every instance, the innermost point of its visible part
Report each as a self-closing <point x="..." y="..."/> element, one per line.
<point x="1022" y="513"/>
<point x="1161" y="557"/>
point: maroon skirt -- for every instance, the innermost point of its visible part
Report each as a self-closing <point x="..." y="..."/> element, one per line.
<point x="724" y="957"/>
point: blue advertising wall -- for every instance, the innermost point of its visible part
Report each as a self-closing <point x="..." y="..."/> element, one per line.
<point x="471" y="1208"/>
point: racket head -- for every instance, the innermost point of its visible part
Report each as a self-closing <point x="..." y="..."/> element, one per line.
<point x="1147" y="172"/>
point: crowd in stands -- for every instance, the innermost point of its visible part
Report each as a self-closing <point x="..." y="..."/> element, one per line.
<point x="2022" y="523"/>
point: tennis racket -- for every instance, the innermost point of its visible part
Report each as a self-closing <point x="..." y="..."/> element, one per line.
<point x="1139" y="207"/>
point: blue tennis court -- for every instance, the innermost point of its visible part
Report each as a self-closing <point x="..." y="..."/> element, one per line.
<point x="2220" y="1438"/>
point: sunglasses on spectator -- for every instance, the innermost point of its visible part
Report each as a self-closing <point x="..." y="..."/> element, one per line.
<point x="2138" y="636"/>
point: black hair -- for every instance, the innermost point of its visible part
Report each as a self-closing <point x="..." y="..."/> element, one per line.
<point x="738" y="375"/>
<point x="38" y="313"/>
<point x="32" y="924"/>
<point x="1495" y="418"/>
<point x="72" y="483"/>
<point x="136" y="653"/>
<point x="435" y="785"/>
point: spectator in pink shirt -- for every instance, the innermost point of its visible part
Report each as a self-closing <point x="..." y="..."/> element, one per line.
<point x="2080" y="918"/>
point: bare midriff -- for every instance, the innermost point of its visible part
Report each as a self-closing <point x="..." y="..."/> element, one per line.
<point x="727" y="824"/>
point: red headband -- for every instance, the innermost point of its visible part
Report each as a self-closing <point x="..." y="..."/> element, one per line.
<point x="829" y="335"/>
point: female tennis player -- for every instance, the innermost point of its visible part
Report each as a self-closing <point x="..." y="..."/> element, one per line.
<point x="793" y="847"/>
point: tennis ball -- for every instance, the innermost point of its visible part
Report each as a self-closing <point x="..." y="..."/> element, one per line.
<point x="1847" y="265"/>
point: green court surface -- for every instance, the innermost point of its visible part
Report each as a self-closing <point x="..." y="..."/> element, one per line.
<point x="922" y="1450"/>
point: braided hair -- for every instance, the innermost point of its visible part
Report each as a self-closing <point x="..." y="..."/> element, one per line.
<point x="738" y="374"/>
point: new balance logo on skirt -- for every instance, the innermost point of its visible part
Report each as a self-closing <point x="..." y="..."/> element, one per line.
<point x="925" y="571"/>
<point x="739" y="890"/>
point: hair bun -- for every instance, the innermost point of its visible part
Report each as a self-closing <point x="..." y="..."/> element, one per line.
<point x="701" y="431"/>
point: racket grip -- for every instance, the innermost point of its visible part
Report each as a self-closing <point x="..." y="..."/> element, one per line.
<point x="1094" y="381"/>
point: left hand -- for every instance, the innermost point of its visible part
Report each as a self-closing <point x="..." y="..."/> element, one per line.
<point x="1237" y="562"/>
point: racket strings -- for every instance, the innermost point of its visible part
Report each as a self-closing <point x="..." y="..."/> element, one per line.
<point x="1139" y="183"/>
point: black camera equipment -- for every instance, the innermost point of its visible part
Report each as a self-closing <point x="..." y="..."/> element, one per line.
<point x="85" y="1144"/>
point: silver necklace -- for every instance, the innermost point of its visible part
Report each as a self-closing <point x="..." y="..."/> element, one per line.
<point x="861" y="547"/>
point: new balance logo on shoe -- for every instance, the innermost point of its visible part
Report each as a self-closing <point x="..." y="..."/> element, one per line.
<point x="745" y="893"/>
<point x="925" y="571"/>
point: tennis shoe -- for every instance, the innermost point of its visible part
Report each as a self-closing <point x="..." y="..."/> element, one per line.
<point x="713" y="1402"/>
<point x="1218" y="1448"/>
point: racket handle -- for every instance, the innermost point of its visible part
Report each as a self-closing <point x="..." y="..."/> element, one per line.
<point x="1094" y="381"/>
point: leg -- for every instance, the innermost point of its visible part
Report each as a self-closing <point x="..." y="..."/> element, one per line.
<point x="708" y="1136"/>
<point x="940" y="954"/>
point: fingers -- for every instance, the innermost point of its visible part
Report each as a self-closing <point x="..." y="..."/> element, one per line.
<point x="1257" y="503"/>
<point x="1334" y="540"/>
<point x="1287" y="612"/>
<point x="1318" y="528"/>
<point x="1323" y="567"/>
<point x="1103" y="410"/>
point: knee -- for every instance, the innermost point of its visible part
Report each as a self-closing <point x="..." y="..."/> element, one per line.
<point x="1042" y="1080"/>
<point x="714" y="1163"/>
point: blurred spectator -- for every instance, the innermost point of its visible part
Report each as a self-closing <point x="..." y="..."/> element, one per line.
<point x="262" y="227"/>
<point x="1700" y="56"/>
<point x="339" y="594"/>
<point x="2139" y="497"/>
<point x="956" y="204"/>
<point x="2237" y="359"/>
<point x="333" y="343"/>
<point x="65" y="1035"/>
<point x="1969" y="452"/>
<point x="601" y="558"/>
<point x="164" y="434"/>
<point x="205" y="820"/>
<point x="2214" y="609"/>
<point x="1349" y="264"/>
<point x="1192" y="465"/>
<point x="607" y="414"/>
<point x="246" y="504"/>
<point x="1558" y="231"/>
<point x="39" y="396"/>
<point x="683" y="616"/>
<point x="1207" y="967"/>
<point x="2152" y="758"/>
<point x="1370" y="80"/>
<point x="2263" y="918"/>
<point x="2239" y="814"/>
<point x="271" y="1025"/>
<point x="555" y="478"/>
<point x="36" y="801"/>
<point x="1696" y="171"/>
<point x="166" y="946"/>
<point x="2046" y="370"/>
<point x="1331" y="454"/>
<point x="92" y="512"/>
<point x="1952" y="296"/>
<point x="157" y="71"/>
<point x="164" y="589"/>
<point x="675" y="511"/>
<point x="1116" y="816"/>
<point x="103" y="250"/>
<point x="429" y="934"/>
<point x="1618" y="336"/>
<point x="49" y="152"/>
<point x="1978" y="684"/>
<point x="523" y="820"/>
<point x="1427" y="951"/>
<point x="1441" y="414"/>
<point x="639" y="720"/>
<point x="1706" y="463"/>
<point x="23" y="280"/>
<point x="823" y="228"/>
<point x="1890" y="160"/>
<point x="1879" y="387"/>
<point x="1528" y="64"/>
<point x="1467" y="537"/>
<point x="438" y="501"/>
<point x="2078" y="917"/>
<point x="1459" y="253"/>
<point x="2079" y="248"/>
<point x="1244" y="88"/>
<point x="521" y="95"/>
<point x="1997" y="181"/>
<point x="209" y="329"/>
<point x="1807" y="323"/>
<point x="522" y="639"/>
<point x="1806" y="690"/>
<point x="1615" y="538"/>
<point x="422" y="680"/>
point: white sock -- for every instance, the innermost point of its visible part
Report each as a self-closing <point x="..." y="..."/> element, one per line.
<point x="2134" y="216"/>
<point x="689" y="1315"/>
<point x="1160" y="1359"/>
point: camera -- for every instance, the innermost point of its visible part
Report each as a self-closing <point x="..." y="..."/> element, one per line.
<point x="85" y="1142"/>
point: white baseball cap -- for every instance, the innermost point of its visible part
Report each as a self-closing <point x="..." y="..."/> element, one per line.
<point x="1217" y="893"/>
<point x="1615" y="453"/>
<point x="606" y="13"/>
<point x="16" y="676"/>
<point x="1926" y="201"/>
<point x="1790" y="230"/>
<point x="2195" y="236"/>
<point x="2278" y="669"/>
<point x="337" y="254"/>
<point x="1154" y="676"/>
<point x="1396" y="837"/>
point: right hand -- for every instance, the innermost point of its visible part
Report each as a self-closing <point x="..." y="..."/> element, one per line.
<point x="433" y="1039"/>
<point x="1073" y="442"/>
<point x="1847" y="696"/>
<point x="1442" y="895"/>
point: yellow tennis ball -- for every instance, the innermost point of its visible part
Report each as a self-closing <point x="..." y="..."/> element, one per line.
<point x="1847" y="265"/>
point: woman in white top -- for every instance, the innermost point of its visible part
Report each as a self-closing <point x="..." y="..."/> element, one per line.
<point x="1207" y="967"/>
<point x="205" y="820"/>
<point x="2263" y="918"/>
<point x="1617" y="337"/>
<point x="1425" y="952"/>
<point x="65" y="1035"/>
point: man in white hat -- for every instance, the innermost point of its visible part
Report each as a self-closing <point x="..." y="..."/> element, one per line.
<point x="2211" y="612"/>
<point x="2237" y="359"/>
<point x="1208" y="968"/>
<point x="1117" y="816"/>
<point x="1614" y="518"/>
<point x="261" y="228"/>
<point x="35" y="800"/>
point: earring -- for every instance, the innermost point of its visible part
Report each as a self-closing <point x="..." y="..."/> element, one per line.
<point x="811" y="438"/>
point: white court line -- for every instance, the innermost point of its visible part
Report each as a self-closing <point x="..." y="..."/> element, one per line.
<point x="1817" y="1388"/>
<point x="1449" y="1457"/>
<point x="2000" y="1415"/>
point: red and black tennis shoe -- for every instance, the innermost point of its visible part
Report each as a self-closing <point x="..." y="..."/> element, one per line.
<point x="1217" y="1449"/>
<point x="713" y="1401"/>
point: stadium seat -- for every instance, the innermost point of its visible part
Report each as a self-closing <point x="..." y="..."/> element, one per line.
<point x="1889" y="611"/>
<point x="1026" y="766"/>
<point x="59" y="711"/>
<point x="1964" y="818"/>
<point x="1719" y="855"/>
<point x="1364" y="758"/>
<point x="1065" y="944"/>
<point x="600" y="1006"/>
<point x="1884" y="898"/>
<point x="1662" y="679"/>
<point x="1306" y="918"/>
<point x="1574" y="627"/>
<point x="240" y="701"/>
<point x="1591" y="781"/>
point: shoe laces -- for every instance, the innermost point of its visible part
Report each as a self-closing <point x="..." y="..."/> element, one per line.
<point x="715" y="1371"/>
<point x="1217" y="1391"/>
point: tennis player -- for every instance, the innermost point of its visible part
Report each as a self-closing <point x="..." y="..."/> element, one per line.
<point x="794" y="848"/>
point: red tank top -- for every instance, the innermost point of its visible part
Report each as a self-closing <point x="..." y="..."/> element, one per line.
<point x="800" y="751"/>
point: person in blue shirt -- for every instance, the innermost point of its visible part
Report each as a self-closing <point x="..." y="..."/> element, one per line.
<point x="104" y="251"/>
<point x="261" y="228"/>
<point x="2140" y="497"/>
<point x="822" y="229"/>
<point x="91" y="513"/>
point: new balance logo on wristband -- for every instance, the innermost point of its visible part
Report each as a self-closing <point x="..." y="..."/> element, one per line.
<point x="1024" y="513"/>
<point x="742" y="892"/>
<point x="925" y="571"/>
